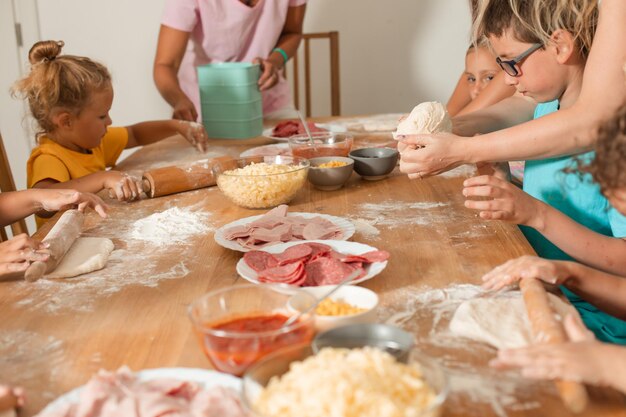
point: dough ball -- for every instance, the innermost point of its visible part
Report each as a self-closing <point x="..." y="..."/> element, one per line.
<point x="427" y="117"/>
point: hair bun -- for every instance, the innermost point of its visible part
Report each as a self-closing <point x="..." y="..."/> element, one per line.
<point x="45" y="51"/>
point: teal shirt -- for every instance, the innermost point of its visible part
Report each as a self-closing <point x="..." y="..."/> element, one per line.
<point x="579" y="198"/>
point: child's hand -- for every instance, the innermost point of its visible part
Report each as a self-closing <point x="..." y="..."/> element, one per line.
<point x="504" y="200"/>
<point x="513" y="271"/>
<point x="55" y="200"/>
<point x="16" y="254"/>
<point x="121" y="186"/>
<point x="195" y="134"/>
<point x="10" y="398"/>
<point x="583" y="359"/>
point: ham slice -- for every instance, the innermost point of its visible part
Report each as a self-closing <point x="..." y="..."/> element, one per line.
<point x="310" y="264"/>
<point x="276" y="227"/>
<point x="121" y="393"/>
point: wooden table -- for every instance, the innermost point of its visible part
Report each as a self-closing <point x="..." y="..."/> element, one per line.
<point x="55" y="335"/>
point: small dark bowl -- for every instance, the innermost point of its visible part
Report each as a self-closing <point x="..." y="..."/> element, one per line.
<point x="374" y="163"/>
<point x="329" y="179"/>
<point x="391" y="339"/>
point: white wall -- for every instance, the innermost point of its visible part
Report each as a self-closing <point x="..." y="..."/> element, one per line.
<point x="393" y="53"/>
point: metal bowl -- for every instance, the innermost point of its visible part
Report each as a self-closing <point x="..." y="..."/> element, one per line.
<point x="391" y="339"/>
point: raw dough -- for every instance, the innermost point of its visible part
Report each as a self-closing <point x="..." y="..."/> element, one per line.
<point x="87" y="254"/>
<point x="500" y="321"/>
<point x="427" y="117"/>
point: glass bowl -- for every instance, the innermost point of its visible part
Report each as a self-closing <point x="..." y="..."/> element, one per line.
<point x="324" y="144"/>
<point x="261" y="181"/>
<point x="256" y="379"/>
<point x="238" y="325"/>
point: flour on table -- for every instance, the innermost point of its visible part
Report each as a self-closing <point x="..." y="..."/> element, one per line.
<point x="501" y="320"/>
<point x="392" y="214"/>
<point x="468" y="170"/>
<point x="171" y="226"/>
<point x="87" y="254"/>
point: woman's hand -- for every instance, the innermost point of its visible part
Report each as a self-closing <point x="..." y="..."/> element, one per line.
<point x="269" y="74"/>
<point x="121" y="186"/>
<point x="504" y="201"/>
<point x="185" y="110"/>
<point x="582" y="359"/>
<point x="427" y="155"/>
<point x="513" y="271"/>
<point x="195" y="133"/>
<point x="18" y="253"/>
<point x="55" y="200"/>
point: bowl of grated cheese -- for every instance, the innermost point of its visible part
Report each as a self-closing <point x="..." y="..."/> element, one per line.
<point x="262" y="181"/>
<point x="360" y="382"/>
<point x="330" y="172"/>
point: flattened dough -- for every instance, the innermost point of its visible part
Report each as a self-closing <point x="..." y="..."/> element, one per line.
<point x="500" y="321"/>
<point x="87" y="254"/>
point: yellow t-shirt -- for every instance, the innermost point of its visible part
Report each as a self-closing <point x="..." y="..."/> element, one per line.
<point x="49" y="160"/>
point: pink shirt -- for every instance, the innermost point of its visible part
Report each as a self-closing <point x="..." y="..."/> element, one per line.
<point x="229" y="31"/>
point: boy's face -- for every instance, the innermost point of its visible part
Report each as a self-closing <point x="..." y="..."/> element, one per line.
<point x="617" y="198"/>
<point x="480" y="68"/>
<point x="90" y="125"/>
<point x="541" y="77"/>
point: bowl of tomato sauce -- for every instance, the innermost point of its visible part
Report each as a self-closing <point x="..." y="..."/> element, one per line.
<point x="236" y="326"/>
<point x="322" y="144"/>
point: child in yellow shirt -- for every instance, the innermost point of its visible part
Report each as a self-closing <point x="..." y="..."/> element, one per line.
<point x="70" y="97"/>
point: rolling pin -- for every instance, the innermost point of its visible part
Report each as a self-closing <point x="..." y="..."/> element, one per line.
<point x="61" y="237"/>
<point x="547" y="329"/>
<point x="171" y="180"/>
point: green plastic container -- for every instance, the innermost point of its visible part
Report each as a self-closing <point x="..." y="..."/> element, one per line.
<point x="231" y="100"/>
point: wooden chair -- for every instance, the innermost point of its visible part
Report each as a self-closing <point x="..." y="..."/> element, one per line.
<point x="7" y="184"/>
<point x="333" y="38"/>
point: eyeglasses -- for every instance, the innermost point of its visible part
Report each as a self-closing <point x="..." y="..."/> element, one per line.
<point x="510" y="67"/>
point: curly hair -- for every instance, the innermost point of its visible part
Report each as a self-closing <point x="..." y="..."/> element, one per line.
<point x="534" y="21"/>
<point x="608" y="168"/>
<point x="59" y="82"/>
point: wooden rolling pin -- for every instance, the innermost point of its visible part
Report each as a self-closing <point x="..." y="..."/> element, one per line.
<point x="547" y="329"/>
<point x="171" y="180"/>
<point x="61" y="237"/>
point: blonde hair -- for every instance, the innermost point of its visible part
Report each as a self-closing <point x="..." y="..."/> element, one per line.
<point x="534" y="21"/>
<point x="58" y="82"/>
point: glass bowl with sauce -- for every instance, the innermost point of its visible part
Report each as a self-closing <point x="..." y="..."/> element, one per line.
<point x="324" y="144"/>
<point x="236" y="326"/>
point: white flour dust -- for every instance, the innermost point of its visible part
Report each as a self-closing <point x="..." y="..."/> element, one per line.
<point x="171" y="226"/>
<point x="426" y="313"/>
<point x="394" y="214"/>
<point x="460" y="171"/>
<point x="365" y="228"/>
<point x="35" y="359"/>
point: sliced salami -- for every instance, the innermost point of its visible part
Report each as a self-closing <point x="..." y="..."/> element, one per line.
<point x="293" y="273"/>
<point x="297" y="253"/>
<point x="259" y="260"/>
<point x="326" y="271"/>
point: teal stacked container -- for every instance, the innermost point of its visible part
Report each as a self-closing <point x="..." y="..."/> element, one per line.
<point x="231" y="100"/>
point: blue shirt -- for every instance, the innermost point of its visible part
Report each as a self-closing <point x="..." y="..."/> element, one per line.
<point x="579" y="198"/>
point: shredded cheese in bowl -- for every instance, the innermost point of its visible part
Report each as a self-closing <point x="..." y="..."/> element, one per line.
<point x="364" y="382"/>
<point x="330" y="307"/>
<point x="263" y="185"/>
<point x="332" y="164"/>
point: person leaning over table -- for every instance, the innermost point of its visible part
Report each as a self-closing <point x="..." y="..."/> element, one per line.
<point x="568" y="131"/>
<point x="259" y="31"/>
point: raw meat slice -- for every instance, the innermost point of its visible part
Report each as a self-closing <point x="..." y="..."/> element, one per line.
<point x="259" y="260"/>
<point x="326" y="271"/>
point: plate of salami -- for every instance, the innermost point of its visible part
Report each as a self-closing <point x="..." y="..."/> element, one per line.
<point x="288" y="128"/>
<point x="312" y="263"/>
<point x="180" y="391"/>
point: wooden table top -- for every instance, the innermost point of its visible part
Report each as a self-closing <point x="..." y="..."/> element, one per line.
<point x="55" y="334"/>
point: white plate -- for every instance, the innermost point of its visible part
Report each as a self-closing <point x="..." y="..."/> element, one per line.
<point x="331" y="127"/>
<point x="345" y="225"/>
<point x="203" y="377"/>
<point x="267" y="150"/>
<point x="348" y="248"/>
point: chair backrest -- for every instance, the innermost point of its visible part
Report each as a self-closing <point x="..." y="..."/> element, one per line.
<point x="333" y="38"/>
<point x="7" y="184"/>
